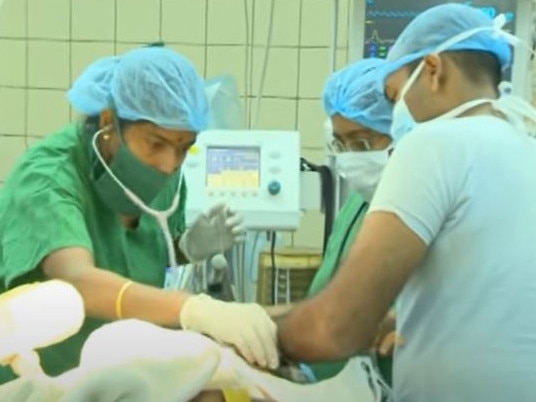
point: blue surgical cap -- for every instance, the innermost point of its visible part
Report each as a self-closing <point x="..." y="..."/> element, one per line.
<point x="352" y="93"/>
<point x="154" y="84"/>
<point x="437" y="25"/>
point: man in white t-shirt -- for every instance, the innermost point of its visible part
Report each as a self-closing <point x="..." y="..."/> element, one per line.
<point x="450" y="232"/>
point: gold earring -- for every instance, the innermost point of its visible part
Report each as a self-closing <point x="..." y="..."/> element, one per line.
<point x="106" y="137"/>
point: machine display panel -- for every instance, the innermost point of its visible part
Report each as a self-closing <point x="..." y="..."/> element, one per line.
<point x="385" y="20"/>
<point x="233" y="167"/>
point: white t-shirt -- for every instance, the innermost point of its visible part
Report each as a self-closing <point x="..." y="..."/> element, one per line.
<point x="467" y="188"/>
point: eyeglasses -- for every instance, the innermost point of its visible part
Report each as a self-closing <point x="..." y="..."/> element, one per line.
<point x="353" y="145"/>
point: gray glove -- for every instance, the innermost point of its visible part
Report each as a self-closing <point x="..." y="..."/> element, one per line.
<point x="215" y="231"/>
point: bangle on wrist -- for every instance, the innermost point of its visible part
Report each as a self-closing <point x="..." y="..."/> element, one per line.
<point x="119" y="300"/>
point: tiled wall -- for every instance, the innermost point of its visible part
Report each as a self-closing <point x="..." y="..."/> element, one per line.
<point x="45" y="44"/>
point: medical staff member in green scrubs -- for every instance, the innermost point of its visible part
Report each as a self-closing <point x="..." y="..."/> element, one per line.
<point x="85" y="205"/>
<point x="360" y="118"/>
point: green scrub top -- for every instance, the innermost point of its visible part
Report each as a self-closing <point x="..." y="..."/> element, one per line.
<point x="345" y="228"/>
<point x="48" y="202"/>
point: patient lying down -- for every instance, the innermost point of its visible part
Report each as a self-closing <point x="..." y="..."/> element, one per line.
<point x="136" y="361"/>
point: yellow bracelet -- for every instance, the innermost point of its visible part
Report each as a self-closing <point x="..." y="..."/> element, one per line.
<point x="236" y="395"/>
<point x="119" y="300"/>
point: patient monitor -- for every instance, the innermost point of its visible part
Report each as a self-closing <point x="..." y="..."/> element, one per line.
<point x="256" y="173"/>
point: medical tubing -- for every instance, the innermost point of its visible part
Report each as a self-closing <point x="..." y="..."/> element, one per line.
<point x="251" y="261"/>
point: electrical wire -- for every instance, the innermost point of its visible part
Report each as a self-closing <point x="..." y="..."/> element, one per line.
<point x="334" y="36"/>
<point x="247" y="67"/>
<point x="265" y="63"/>
<point x="328" y="199"/>
<point x="274" y="267"/>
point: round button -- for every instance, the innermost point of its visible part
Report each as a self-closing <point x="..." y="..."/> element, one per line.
<point x="274" y="187"/>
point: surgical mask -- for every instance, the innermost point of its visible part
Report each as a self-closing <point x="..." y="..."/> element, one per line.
<point x="127" y="186"/>
<point x="142" y="180"/>
<point x="362" y="170"/>
<point x="403" y="121"/>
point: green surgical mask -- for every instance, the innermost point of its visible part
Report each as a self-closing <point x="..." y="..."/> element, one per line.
<point x="131" y="175"/>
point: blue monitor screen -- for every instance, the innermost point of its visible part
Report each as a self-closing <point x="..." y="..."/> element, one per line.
<point x="233" y="167"/>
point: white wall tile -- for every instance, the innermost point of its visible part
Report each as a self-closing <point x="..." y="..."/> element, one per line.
<point x="48" y="64"/>
<point x="311" y="123"/>
<point x="31" y="140"/>
<point x="281" y="72"/>
<point x="316" y="156"/>
<point x="195" y="53"/>
<point x="13" y="19"/>
<point x="226" y="22"/>
<point x="227" y="60"/>
<point x="11" y="149"/>
<point x="125" y="47"/>
<point x="13" y="69"/>
<point x="275" y="114"/>
<point x="48" y="111"/>
<point x="316" y="28"/>
<point x="50" y="19"/>
<point x="93" y="20"/>
<point x="184" y="21"/>
<point x="345" y="17"/>
<point x="12" y="111"/>
<point x="84" y="53"/>
<point x="286" y="22"/>
<point x="138" y="20"/>
<point x="342" y="59"/>
<point x="310" y="231"/>
<point x="314" y="70"/>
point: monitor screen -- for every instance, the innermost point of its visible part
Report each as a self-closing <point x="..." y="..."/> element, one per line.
<point x="233" y="167"/>
<point x="385" y="20"/>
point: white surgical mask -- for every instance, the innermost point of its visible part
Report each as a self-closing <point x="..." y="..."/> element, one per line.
<point x="403" y="121"/>
<point x="362" y="170"/>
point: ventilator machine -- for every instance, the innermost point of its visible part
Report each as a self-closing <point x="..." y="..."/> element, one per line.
<point x="253" y="172"/>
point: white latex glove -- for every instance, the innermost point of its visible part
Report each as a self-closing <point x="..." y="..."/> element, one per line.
<point x="213" y="232"/>
<point x="247" y="327"/>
